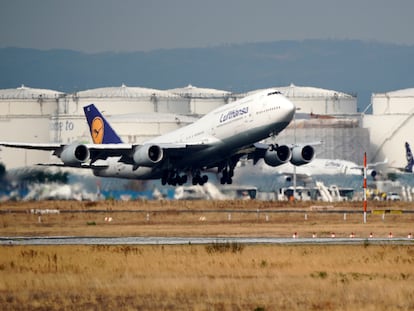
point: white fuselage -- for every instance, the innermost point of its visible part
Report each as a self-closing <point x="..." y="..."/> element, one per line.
<point x="225" y="130"/>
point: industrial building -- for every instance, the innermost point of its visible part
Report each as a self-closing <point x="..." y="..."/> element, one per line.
<point x="204" y="100"/>
<point x="137" y="114"/>
<point x="390" y="125"/>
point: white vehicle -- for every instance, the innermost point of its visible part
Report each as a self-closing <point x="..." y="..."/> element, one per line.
<point x="216" y="141"/>
<point x="393" y="196"/>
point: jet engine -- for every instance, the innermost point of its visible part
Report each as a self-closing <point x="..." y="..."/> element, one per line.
<point x="302" y="155"/>
<point x="75" y="154"/>
<point x="275" y="156"/>
<point x="148" y="155"/>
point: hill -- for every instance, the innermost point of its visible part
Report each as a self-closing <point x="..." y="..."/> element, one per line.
<point x="351" y="66"/>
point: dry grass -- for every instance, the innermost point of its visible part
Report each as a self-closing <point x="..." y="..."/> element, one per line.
<point x="212" y="277"/>
<point x="233" y="277"/>
<point x="195" y="218"/>
<point x="196" y="204"/>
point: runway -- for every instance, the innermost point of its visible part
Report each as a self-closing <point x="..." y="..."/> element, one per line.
<point x="72" y="240"/>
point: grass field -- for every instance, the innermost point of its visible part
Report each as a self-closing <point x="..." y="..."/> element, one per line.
<point x="202" y="218"/>
<point x="204" y="277"/>
<point x="212" y="277"/>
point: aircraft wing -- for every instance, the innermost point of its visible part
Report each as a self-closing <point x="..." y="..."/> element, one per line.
<point x="58" y="148"/>
<point x="75" y="154"/>
<point x="34" y="146"/>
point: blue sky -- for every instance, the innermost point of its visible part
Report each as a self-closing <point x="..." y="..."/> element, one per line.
<point x="143" y="25"/>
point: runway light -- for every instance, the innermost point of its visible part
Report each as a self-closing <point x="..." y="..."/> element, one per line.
<point x="295" y="235"/>
<point x="371" y="235"/>
<point x="352" y="235"/>
<point x="390" y="235"/>
<point x="314" y="235"/>
<point x="333" y="235"/>
<point x="410" y="236"/>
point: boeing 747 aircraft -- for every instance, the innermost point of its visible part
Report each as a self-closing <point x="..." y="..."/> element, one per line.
<point x="216" y="141"/>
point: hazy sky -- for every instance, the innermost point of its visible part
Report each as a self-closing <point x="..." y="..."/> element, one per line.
<point x="142" y="25"/>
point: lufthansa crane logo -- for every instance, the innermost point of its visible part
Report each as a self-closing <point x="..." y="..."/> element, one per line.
<point x="97" y="130"/>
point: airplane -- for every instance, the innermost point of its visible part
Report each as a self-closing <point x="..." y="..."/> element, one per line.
<point x="318" y="166"/>
<point x="216" y="141"/>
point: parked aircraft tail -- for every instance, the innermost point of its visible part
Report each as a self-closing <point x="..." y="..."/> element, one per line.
<point x="101" y="130"/>
<point x="410" y="160"/>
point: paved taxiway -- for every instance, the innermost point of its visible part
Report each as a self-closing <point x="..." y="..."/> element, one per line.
<point x="63" y="240"/>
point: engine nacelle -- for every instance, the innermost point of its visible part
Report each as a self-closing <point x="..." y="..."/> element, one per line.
<point x="302" y="155"/>
<point x="278" y="156"/>
<point x="75" y="155"/>
<point x="148" y="155"/>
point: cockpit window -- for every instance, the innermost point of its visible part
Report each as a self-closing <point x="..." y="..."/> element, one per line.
<point x="273" y="93"/>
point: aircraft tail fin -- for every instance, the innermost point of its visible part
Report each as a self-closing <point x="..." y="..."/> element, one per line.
<point x="409" y="156"/>
<point x="101" y="130"/>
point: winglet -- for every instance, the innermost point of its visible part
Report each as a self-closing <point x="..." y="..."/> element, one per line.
<point x="101" y="130"/>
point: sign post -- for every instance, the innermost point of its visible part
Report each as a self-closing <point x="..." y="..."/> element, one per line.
<point x="365" y="187"/>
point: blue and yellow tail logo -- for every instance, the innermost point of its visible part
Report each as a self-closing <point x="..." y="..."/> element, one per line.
<point x="101" y="131"/>
<point x="97" y="130"/>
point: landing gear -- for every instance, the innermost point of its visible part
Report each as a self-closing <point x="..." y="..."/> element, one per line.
<point x="227" y="171"/>
<point x="199" y="179"/>
<point x="173" y="178"/>
<point x="227" y="176"/>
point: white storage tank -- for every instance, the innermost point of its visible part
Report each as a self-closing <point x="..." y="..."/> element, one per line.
<point x="131" y="128"/>
<point x="25" y="113"/>
<point x="320" y="101"/>
<point x="401" y="101"/>
<point x="317" y="101"/>
<point x="391" y="125"/>
<point x="203" y="100"/>
<point x="28" y="101"/>
<point x="125" y="99"/>
<point x="70" y="124"/>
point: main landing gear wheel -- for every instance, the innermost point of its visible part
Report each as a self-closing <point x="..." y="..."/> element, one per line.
<point x="173" y="178"/>
<point x="199" y="180"/>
